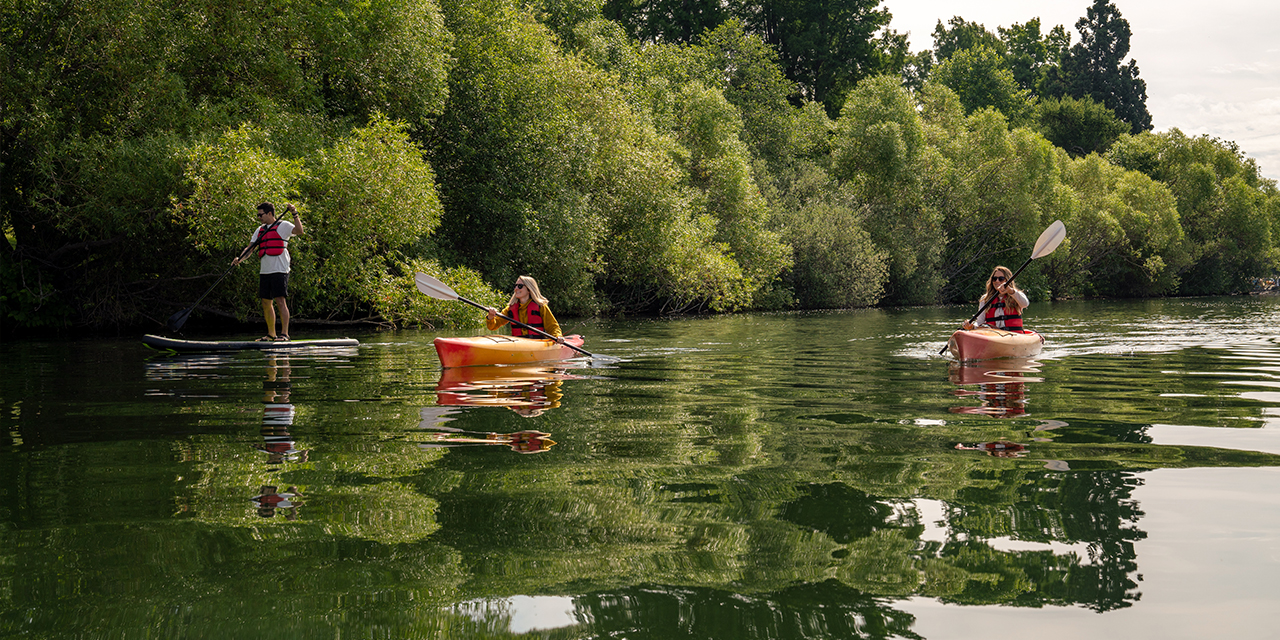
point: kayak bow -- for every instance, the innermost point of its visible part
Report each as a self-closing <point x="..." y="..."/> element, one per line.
<point x="985" y="343"/>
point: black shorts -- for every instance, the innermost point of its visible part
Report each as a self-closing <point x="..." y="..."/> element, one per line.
<point x="273" y="285"/>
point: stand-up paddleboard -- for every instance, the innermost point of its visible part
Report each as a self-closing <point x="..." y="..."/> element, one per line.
<point x="172" y="344"/>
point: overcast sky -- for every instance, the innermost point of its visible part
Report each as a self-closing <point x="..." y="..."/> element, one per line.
<point x="1210" y="67"/>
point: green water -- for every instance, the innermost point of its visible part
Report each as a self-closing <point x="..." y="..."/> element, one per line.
<point x="821" y="475"/>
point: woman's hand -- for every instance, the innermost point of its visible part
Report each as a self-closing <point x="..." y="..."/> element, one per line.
<point x="493" y="313"/>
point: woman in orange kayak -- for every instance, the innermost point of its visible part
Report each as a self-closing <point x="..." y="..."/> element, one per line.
<point x="528" y="306"/>
<point x="1005" y="311"/>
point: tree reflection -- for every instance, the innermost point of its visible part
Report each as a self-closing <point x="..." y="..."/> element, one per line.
<point x="827" y="609"/>
<point x="1092" y="508"/>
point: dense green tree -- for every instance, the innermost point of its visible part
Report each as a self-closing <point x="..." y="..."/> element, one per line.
<point x="1226" y="208"/>
<point x="1125" y="233"/>
<point x="548" y="169"/>
<point x="746" y="70"/>
<point x="836" y="264"/>
<point x="672" y="21"/>
<point x="828" y="46"/>
<point x="1029" y="54"/>
<point x="981" y="79"/>
<point x="719" y="167"/>
<point x="880" y="152"/>
<point x="98" y="94"/>
<point x="961" y="35"/>
<point x="993" y="187"/>
<point x="1095" y="67"/>
<point x="368" y="200"/>
<point x="1080" y="127"/>
<point x="563" y="17"/>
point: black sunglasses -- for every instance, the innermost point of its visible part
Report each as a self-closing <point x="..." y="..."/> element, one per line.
<point x="519" y="285"/>
<point x="997" y="278"/>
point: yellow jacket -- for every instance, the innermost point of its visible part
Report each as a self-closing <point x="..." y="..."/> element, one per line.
<point x="549" y="324"/>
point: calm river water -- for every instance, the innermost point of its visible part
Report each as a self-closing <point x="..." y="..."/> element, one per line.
<point x="818" y="475"/>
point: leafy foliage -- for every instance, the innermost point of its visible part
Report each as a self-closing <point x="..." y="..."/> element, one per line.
<point x="633" y="156"/>
<point x="1080" y="126"/>
<point x="1227" y="210"/>
<point x="980" y="78"/>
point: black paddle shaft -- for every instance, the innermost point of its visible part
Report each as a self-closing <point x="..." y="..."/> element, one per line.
<point x="991" y="299"/>
<point x="533" y="329"/>
<point x="180" y="318"/>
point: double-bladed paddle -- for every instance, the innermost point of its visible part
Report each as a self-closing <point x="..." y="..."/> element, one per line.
<point x="1045" y="244"/>
<point x="442" y="291"/>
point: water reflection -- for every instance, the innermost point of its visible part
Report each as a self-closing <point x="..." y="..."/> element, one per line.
<point x="1002" y="385"/>
<point x="738" y="477"/>
<point x="527" y="441"/>
<point x="999" y="448"/>
<point x="269" y="500"/>
<point x="433" y="423"/>
<point x="278" y="413"/>
<point x="527" y="390"/>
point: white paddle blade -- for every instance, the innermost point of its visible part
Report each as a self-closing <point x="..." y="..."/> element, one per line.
<point x="433" y="287"/>
<point x="1049" y="240"/>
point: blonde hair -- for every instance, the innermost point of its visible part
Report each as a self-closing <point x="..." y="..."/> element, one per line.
<point x="991" y="285"/>
<point x="534" y="293"/>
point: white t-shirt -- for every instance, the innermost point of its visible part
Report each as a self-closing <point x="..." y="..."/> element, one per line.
<point x="280" y="263"/>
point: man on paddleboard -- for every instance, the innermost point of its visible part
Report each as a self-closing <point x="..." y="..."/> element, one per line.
<point x="272" y="239"/>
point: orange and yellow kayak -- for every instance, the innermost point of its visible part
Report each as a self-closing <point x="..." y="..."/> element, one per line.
<point x="985" y="343"/>
<point x="466" y="352"/>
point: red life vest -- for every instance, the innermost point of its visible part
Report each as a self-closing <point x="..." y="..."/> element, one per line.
<point x="1012" y="322"/>
<point x="534" y="319"/>
<point x="269" y="241"/>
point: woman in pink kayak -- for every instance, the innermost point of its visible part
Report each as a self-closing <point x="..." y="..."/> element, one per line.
<point x="1005" y="311"/>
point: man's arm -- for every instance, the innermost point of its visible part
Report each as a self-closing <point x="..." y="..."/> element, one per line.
<point x="297" y="222"/>
<point x="243" y="254"/>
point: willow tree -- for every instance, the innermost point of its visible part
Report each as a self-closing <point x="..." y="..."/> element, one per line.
<point x="995" y="189"/>
<point x="1229" y="211"/>
<point x="102" y="100"/>
<point x="1125" y="236"/>
<point x="630" y="191"/>
<point x="880" y="151"/>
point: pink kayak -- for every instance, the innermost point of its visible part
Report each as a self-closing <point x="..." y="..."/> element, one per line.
<point x="985" y="343"/>
<point x="465" y="352"/>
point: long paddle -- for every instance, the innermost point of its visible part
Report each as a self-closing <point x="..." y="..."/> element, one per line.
<point x="178" y="319"/>
<point x="441" y="291"/>
<point x="1045" y="245"/>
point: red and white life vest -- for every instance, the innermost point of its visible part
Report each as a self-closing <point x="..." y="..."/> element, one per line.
<point x="999" y="318"/>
